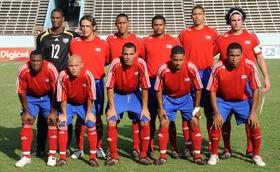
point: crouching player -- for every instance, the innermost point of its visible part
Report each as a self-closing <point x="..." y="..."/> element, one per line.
<point x="228" y="92"/>
<point x="36" y="83"/>
<point x="76" y="92"/>
<point x="126" y="74"/>
<point x="173" y="85"/>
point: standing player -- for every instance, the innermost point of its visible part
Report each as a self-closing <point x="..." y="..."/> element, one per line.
<point x="199" y="42"/>
<point x="36" y="82"/>
<point x="95" y="54"/>
<point x="54" y="45"/>
<point x="235" y="17"/>
<point x="126" y="74"/>
<point x="157" y="51"/>
<point x="76" y="92"/>
<point x="173" y="96"/>
<point x="116" y="42"/>
<point x="228" y="89"/>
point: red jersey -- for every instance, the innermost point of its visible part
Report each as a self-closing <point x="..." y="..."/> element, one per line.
<point x="116" y="44"/>
<point x="127" y="80"/>
<point x="38" y="85"/>
<point x="157" y="51"/>
<point x="95" y="54"/>
<point x="231" y="84"/>
<point x="199" y="45"/>
<point x="76" y="90"/>
<point x="177" y="83"/>
<point x="249" y="43"/>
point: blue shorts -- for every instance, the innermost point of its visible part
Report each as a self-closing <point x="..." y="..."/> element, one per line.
<point x="152" y="100"/>
<point x="184" y="104"/>
<point x="241" y="109"/>
<point x="39" y="104"/>
<point x="205" y="96"/>
<point x="128" y="103"/>
<point x="81" y="110"/>
<point x="99" y="102"/>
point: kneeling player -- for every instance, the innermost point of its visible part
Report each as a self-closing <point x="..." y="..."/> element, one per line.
<point x="76" y="92"/>
<point x="173" y="86"/>
<point x="125" y="76"/>
<point x="36" y="82"/>
<point x="227" y="85"/>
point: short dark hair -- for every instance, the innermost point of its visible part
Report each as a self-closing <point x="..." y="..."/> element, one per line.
<point x="177" y="50"/>
<point x="234" y="45"/>
<point x="36" y="53"/>
<point x="58" y="10"/>
<point x="198" y="7"/>
<point x="122" y="15"/>
<point x="129" y="45"/>
<point x="232" y="11"/>
<point x="89" y="18"/>
<point x="158" y="17"/>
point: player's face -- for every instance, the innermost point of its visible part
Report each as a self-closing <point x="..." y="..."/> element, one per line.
<point x="122" y="25"/>
<point x="236" y="22"/>
<point x="158" y="27"/>
<point x="57" y="19"/>
<point x="75" y="67"/>
<point x="86" y="28"/>
<point x="177" y="61"/>
<point x="128" y="56"/>
<point x="233" y="58"/>
<point x="36" y="63"/>
<point x="198" y="16"/>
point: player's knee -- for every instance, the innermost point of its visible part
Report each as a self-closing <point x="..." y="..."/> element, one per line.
<point x="28" y="122"/>
<point x="90" y="124"/>
<point x="194" y="123"/>
<point x="164" y="123"/>
<point x="112" y="123"/>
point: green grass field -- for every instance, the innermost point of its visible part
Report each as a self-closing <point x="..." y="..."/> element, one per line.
<point x="10" y="125"/>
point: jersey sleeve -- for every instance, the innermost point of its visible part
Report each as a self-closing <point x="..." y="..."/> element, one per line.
<point x="38" y="42"/>
<point x="53" y="75"/>
<point x="256" y="45"/>
<point x="107" y="53"/>
<point x="194" y="75"/>
<point x="159" y="79"/>
<point x="213" y="82"/>
<point x="253" y="75"/>
<point x="61" y="89"/>
<point x="111" y="75"/>
<point x="144" y="75"/>
<point x="91" y="88"/>
<point x="21" y="83"/>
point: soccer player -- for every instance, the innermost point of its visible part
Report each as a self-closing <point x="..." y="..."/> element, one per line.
<point x="235" y="17"/>
<point x="157" y="51"/>
<point x="127" y="91"/>
<point x="198" y="41"/>
<point x="54" y="45"/>
<point x="76" y="92"/>
<point x="227" y="86"/>
<point x="36" y="83"/>
<point x="95" y="55"/>
<point x="116" y="42"/>
<point x="173" y="96"/>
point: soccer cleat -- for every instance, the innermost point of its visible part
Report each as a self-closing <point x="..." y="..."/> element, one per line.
<point x="93" y="162"/>
<point x="160" y="161"/>
<point x="135" y="153"/>
<point x="225" y="155"/>
<point x="23" y="161"/>
<point x="60" y="162"/>
<point x="145" y="161"/>
<point x="111" y="162"/>
<point x="186" y="154"/>
<point x="214" y="159"/>
<point x="175" y="154"/>
<point x="100" y="153"/>
<point x="51" y="161"/>
<point x="77" y="154"/>
<point x="258" y="160"/>
<point x="200" y="161"/>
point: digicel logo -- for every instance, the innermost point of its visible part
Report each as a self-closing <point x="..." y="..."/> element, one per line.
<point x="14" y="54"/>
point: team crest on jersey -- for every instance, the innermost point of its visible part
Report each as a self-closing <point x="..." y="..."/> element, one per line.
<point x="65" y="40"/>
<point x="47" y="80"/>
<point x="247" y="42"/>
<point x="208" y="37"/>
<point x="84" y="85"/>
<point x="136" y="73"/>
<point x="169" y="46"/>
<point x="97" y="49"/>
<point x="187" y="79"/>
<point x="244" y="76"/>
<point x="56" y="39"/>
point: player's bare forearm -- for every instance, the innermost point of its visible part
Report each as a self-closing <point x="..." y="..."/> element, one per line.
<point x="159" y="99"/>
<point x="23" y="101"/>
<point x="110" y="96"/>
<point x="63" y="107"/>
<point x="54" y="103"/>
<point x="256" y="94"/>
<point x="213" y="99"/>
<point x="89" y="105"/>
<point x="197" y="97"/>
<point x="144" y="99"/>
<point x="263" y="67"/>
<point x="217" y="120"/>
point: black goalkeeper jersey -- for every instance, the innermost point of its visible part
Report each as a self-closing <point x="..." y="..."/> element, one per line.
<point x="55" y="48"/>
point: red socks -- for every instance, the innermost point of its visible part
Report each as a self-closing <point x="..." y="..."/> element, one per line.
<point x="163" y="137"/>
<point x="62" y="141"/>
<point x="52" y="138"/>
<point x="196" y="140"/>
<point x="113" y="140"/>
<point x="226" y="131"/>
<point x="135" y="135"/>
<point x="173" y="136"/>
<point x="99" y="128"/>
<point x="92" y="137"/>
<point x="249" y="141"/>
<point x="79" y="133"/>
<point x="145" y="139"/>
<point x="215" y="138"/>
<point x="26" y="137"/>
<point x="256" y="140"/>
<point x="186" y="133"/>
